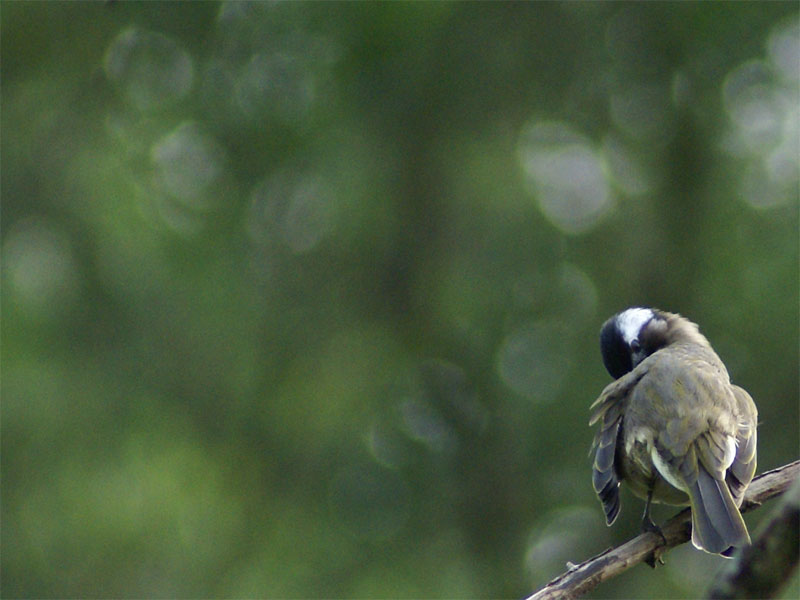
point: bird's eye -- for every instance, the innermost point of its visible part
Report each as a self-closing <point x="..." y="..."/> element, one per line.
<point x="635" y="346"/>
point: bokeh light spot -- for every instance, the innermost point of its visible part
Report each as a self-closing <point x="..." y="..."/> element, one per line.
<point x="752" y="106"/>
<point x="534" y="360"/>
<point x="446" y="385"/>
<point x="387" y="444"/>
<point x="188" y="162"/>
<point x="783" y="48"/>
<point x="577" y="293"/>
<point x="275" y="85"/>
<point x="437" y="404"/>
<point x="760" y="99"/>
<point x="38" y="265"/>
<point x="295" y="208"/>
<point x="269" y="69"/>
<point x="560" y="536"/>
<point x="566" y="176"/>
<point x="151" y="69"/>
<point x="568" y="294"/>
<point x="424" y="424"/>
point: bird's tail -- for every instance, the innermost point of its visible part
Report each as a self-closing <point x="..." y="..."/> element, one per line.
<point x="717" y="525"/>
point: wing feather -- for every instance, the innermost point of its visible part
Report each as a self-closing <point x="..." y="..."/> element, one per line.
<point x="741" y="471"/>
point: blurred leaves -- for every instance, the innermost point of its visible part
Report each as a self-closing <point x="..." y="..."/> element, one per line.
<point x="301" y="299"/>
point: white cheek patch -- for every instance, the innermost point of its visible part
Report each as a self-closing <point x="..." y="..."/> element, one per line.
<point x="666" y="471"/>
<point x="631" y="321"/>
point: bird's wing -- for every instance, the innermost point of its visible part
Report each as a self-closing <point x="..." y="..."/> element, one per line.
<point x="604" y="476"/>
<point x="741" y="471"/>
<point x="616" y="393"/>
<point x="607" y="410"/>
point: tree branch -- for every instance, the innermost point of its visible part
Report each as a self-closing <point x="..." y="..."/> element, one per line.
<point x="587" y="575"/>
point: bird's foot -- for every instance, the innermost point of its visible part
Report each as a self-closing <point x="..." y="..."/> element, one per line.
<point x="656" y="556"/>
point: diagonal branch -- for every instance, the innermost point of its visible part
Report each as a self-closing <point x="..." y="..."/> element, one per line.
<point x="587" y="575"/>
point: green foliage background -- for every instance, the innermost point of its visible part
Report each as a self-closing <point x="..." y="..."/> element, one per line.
<point x="302" y="299"/>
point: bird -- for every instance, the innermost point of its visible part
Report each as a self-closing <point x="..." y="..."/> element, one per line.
<point x="673" y="427"/>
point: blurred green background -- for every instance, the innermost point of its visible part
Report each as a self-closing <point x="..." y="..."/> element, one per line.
<point x="302" y="299"/>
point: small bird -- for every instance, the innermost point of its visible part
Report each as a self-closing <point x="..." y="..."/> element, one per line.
<point x="673" y="427"/>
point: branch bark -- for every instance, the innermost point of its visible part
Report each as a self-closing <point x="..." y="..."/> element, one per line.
<point x="581" y="578"/>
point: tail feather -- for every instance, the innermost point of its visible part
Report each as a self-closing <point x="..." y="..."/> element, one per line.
<point x="717" y="524"/>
